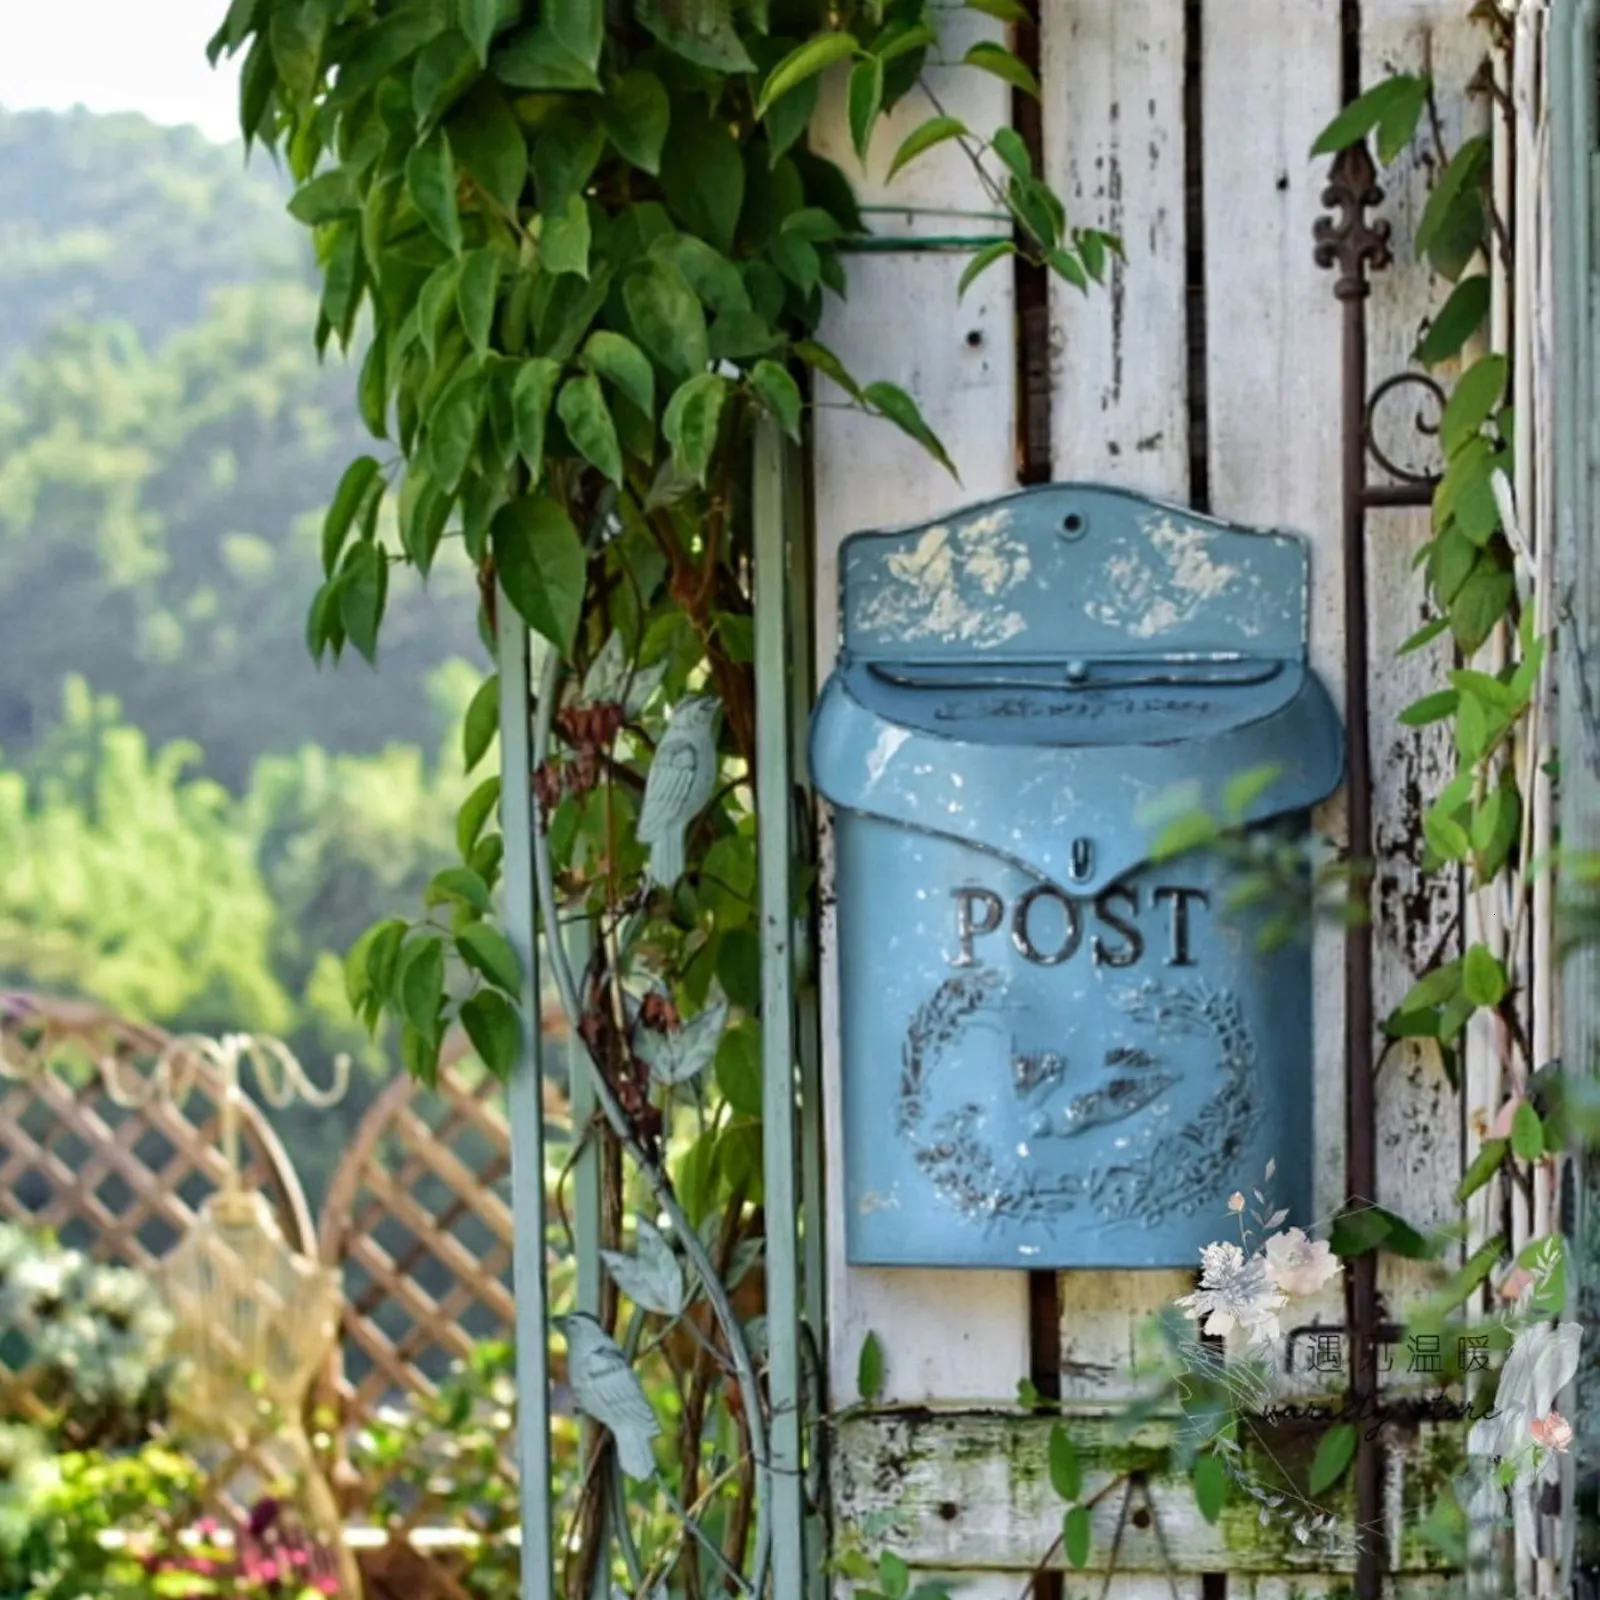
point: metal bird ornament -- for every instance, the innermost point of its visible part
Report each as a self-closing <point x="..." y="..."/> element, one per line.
<point x="607" y="1389"/>
<point x="681" y="779"/>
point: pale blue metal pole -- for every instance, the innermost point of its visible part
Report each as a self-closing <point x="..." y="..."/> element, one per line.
<point x="525" y="1101"/>
<point x="774" y="814"/>
<point x="1575" y="152"/>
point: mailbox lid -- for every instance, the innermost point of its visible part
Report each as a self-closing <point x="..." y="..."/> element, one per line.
<point x="1030" y="802"/>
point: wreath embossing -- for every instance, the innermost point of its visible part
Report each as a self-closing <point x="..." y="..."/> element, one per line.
<point x="1175" y="1176"/>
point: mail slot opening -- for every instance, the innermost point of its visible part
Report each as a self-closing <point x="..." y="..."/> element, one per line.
<point x="1055" y="1049"/>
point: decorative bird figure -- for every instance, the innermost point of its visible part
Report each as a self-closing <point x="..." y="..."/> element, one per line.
<point x="1114" y="1102"/>
<point x="607" y="1389"/>
<point x="681" y="778"/>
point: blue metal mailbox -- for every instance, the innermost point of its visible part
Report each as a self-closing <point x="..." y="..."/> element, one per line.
<point x="1055" y="1052"/>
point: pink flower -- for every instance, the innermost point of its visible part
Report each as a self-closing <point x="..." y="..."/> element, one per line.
<point x="1553" y="1431"/>
<point x="1500" y="1128"/>
<point x="1236" y="1202"/>
<point x="1515" y="1284"/>
<point x="1296" y="1264"/>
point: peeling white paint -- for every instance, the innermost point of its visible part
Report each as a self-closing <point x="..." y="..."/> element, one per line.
<point x="943" y="586"/>
<point x="1149" y="595"/>
<point x="890" y="738"/>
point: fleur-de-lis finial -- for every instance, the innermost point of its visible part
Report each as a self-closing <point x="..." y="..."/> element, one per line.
<point x="1348" y="240"/>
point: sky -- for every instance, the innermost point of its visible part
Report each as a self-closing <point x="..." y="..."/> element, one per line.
<point x="118" y="55"/>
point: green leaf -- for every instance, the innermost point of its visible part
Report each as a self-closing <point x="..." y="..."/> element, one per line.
<point x="1092" y="252"/>
<point x="1210" y="1479"/>
<point x="1472" y="400"/>
<point x="691" y="422"/>
<point x="1066" y="1474"/>
<point x="738" y="1067"/>
<point x="1527" y="1133"/>
<point x="495" y="1030"/>
<point x="542" y="567"/>
<point x="1426" y="634"/>
<point x="1430" y="708"/>
<point x="357" y="971"/>
<point x="383" y="957"/>
<point x="1068" y="268"/>
<point x="460" y="884"/>
<point x="485" y="949"/>
<point x="452" y="432"/>
<point x="479" y="21"/>
<point x="482" y="722"/>
<point x="583" y="411"/>
<point x="357" y="482"/>
<point x="488" y="141"/>
<point x="1392" y="106"/>
<point x="988" y="56"/>
<point x="869" y="1369"/>
<point x="864" y="101"/>
<point x="935" y="131"/>
<point x="441" y="75"/>
<point x="421" y="980"/>
<point x="579" y="25"/>
<point x="296" y="34"/>
<point x="325" y="198"/>
<point x="624" y="365"/>
<point x="363" y="587"/>
<point x="821" y="359"/>
<point x="1008" y="144"/>
<point x="475" y="295"/>
<point x="1335" y="1451"/>
<point x="667" y="318"/>
<point x="1479" y="604"/>
<point x="903" y="412"/>
<point x="779" y="393"/>
<point x="894" y="1575"/>
<point x="1245" y="788"/>
<point x="1483" y="978"/>
<point x="1484" y="1166"/>
<point x="537" y="59"/>
<point x="982" y="261"/>
<point x="636" y="114"/>
<point x="431" y="183"/>
<point x="531" y="395"/>
<point x="1461" y="177"/>
<point x="703" y="179"/>
<point x="475" y="811"/>
<point x="709" y="273"/>
<point x="803" y="62"/>
<point x="1458" y="319"/>
<point x="1076" y="1535"/>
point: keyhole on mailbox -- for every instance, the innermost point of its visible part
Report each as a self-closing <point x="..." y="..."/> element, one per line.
<point x="1073" y="525"/>
<point x="1082" y="860"/>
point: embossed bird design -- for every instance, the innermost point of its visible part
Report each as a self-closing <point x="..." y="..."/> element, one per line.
<point x="1037" y="1074"/>
<point x="682" y="776"/>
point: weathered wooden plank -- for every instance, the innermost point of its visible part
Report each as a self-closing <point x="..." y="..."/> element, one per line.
<point x="944" y="1334"/>
<point x="960" y="1334"/>
<point x="971" y="1491"/>
<point x="1415" y="916"/>
<point x="1112" y="72"/>
<point x="1270" y="81"/>
<point x="1114" y="152"/>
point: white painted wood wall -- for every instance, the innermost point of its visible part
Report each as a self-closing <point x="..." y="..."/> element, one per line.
<point x="1115" y="136"/>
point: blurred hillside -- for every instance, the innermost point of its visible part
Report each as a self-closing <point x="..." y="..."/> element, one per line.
<point x="194" y="821"/>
